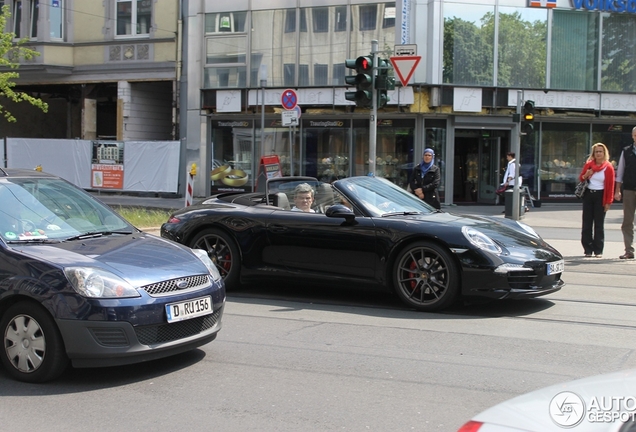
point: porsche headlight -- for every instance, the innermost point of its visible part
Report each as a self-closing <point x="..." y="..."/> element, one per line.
<point x="480" y="240"/>
<point x="528" y="229"/>
<point x="205" y="259"/>
<point x="98" y="283"/>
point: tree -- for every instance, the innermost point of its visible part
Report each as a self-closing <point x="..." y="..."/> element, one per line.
<point x="10" y="54"/>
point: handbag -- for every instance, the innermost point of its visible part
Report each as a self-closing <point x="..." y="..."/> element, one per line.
<point x="501" y="189"/>
<point x="580" y="188"/>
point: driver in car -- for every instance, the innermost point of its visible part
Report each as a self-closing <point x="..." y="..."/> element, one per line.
<point x="303" y="198"/>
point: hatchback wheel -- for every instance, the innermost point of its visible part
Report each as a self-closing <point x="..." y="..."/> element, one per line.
<point x="223" y="252"/>
<point x="426" y="277"/>
<point x="32" y="348"/>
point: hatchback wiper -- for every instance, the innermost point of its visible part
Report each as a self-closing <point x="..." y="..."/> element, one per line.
<point x="94" y="234"/>
<point x="33" y="240"/>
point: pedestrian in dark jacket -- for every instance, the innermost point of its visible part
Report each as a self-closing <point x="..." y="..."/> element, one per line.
<point x="426" y="179"/>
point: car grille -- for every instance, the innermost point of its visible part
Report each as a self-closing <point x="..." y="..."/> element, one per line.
<point x="150" y="335"/>
<point x="169" y="286"/>
<point x="522" y="279"/>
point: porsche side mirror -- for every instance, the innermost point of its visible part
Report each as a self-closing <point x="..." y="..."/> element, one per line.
<point x="340" y="211"/>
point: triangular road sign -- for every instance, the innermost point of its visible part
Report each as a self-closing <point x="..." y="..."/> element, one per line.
<point x="405" y="66"/>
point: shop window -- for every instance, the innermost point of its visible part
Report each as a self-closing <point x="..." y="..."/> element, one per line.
<point x="320" y="19"/>
<point x="368" y="17"/>
<point x="340" y="23"/>
<point x="133" y="17"/>
<point x="564" y="150"/>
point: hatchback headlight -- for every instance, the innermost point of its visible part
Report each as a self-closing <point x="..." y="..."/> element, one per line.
<point x="98" y="283"/>
<point x="205" y="259"/>
<point x="480" y="240"/>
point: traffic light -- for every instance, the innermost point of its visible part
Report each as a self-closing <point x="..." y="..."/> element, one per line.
<point x="527" y="123"/>
<point x="363" y="80"/>
<point x="384" y="81"/>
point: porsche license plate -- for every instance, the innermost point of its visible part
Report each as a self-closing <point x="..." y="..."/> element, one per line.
<point x="555" y="267"/>
<point x="189" y="309"/>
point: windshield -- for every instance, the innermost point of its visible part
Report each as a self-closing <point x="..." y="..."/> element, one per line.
<point x="41" y="209"/>
<point x="380" y="197"/>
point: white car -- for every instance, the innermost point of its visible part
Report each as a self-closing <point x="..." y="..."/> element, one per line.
<point x="600" y="403"/>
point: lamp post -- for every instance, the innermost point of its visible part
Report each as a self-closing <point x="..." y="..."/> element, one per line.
<point x="263" y="78"/>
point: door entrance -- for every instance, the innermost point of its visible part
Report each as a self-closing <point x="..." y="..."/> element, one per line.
<point x="479" y="158"/>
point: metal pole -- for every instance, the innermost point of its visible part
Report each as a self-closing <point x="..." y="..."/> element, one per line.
<point x="292" y="136"/>
<point x="263" y="77"/>
<point x="516" y="149"/>
<point x="373" y="120"/>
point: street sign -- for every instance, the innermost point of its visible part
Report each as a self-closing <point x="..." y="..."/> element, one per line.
<point x="405" y="50"/>
<point x="298" y="111"/>
<point x="289" y="99"/>
<point x="289" y="118"/>
<point x="405" y="66"/>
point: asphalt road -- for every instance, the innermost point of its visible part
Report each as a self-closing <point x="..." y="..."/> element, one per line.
<point x="293" y="358"/>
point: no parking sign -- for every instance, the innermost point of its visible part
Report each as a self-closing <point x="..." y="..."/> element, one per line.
<point x="289" y="99"/>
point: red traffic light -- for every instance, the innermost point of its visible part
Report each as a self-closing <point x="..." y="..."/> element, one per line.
<point x="364" y="64"/>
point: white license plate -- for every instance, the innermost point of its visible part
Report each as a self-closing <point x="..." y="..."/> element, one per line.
<point x="189" y="309"/>
<point x="555" y="267"/>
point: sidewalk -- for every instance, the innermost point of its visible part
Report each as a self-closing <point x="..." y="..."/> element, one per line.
<point x="558" y="223"/>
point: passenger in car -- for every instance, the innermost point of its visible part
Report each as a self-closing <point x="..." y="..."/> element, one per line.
<point x="303" y="198"/>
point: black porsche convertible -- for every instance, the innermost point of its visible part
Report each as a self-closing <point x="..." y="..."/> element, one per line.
<point x="367" y="232"/>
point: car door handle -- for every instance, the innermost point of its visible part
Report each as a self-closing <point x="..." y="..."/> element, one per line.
<point x="278" y="228"/>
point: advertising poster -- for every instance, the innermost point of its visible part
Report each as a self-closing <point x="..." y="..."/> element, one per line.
<point x="107" y="168"/>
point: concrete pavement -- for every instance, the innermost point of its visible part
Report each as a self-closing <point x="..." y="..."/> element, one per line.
<point x="557" y="223"/>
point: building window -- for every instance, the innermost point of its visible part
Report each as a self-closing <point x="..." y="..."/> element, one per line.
<point x="133" y="17"/>
<point x="368" y="17"/>
<point x="17" y="18"/>
<point x="618" y="46"/>
<point x="320" y="18"/>
<point x="289" y="74"/>
<point x="321" y="74"/>
<point x="388" y="20"/>
<point x="290" y="21"/>
<point x="56" y="18"/>
<point x="303" y="75"/>
<point x="35" y="11"/>
<point x="340" y="23"/>
<point x="226" y="22"/>
<point x="338" y="73"/>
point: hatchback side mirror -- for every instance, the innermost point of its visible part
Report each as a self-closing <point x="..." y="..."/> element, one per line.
<point x="340" y="211"/>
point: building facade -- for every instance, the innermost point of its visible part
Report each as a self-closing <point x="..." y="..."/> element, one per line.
<point x="107" y="69"/>
<point x="574" y="59"/>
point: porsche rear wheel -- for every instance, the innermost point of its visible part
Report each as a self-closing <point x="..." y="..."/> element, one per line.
<point x="223" y="252"/>
<point x="32" y="348"/>
<point x="425" y="277"/>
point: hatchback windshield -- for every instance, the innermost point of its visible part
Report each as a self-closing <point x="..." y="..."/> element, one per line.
<point x="40" y="209"/>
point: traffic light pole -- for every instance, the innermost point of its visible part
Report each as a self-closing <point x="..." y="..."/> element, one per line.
<point x="516" y="149"/>
<point x="373" y="120"/>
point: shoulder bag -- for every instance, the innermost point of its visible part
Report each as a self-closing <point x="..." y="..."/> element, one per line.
<point x="580" y="189"/>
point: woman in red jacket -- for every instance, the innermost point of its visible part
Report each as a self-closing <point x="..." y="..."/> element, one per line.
<point x="597" y="199"/>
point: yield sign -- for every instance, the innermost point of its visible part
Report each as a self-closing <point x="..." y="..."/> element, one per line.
<point x="405" y="66"/>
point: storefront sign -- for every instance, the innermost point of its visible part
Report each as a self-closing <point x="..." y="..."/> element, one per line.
<point x="606" y="5"/>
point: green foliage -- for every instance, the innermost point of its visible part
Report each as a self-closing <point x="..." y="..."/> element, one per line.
<point x="469" y="51"/>
<point x="143" y="217"/>
<point x="10" y="54"/>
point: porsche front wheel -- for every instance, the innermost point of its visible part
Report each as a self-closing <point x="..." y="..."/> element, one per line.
<point x="425" y="277"/>
<point x="223" y="252"/>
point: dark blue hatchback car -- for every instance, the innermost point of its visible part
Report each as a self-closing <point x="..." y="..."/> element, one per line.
<point x="78" y="283"/>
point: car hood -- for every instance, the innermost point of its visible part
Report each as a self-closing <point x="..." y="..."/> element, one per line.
<point x="140" y="258"/>
<point x="505" y="232"/>
<point x="538" y="412"/>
